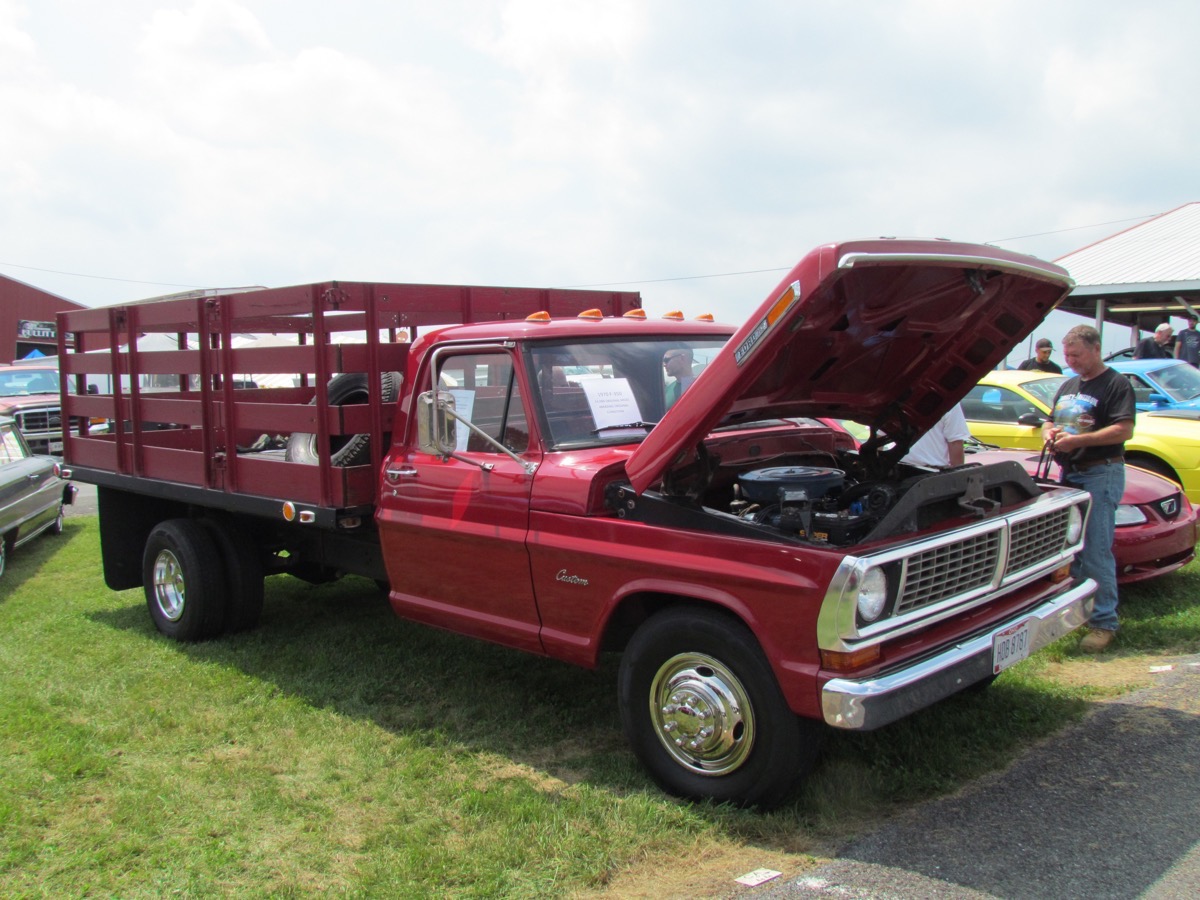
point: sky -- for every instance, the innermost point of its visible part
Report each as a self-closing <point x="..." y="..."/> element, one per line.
<point x="692" y="151"/>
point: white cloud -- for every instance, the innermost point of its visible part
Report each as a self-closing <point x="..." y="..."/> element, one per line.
<point x="206" y="35"/>
<point x="536" y="142"/>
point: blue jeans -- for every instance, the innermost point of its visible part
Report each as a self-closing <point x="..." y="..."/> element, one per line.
<point x="1106" y="484"/>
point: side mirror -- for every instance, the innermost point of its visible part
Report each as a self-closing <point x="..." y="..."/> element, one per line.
<point x="436" y="430"/>
<point x="1159" y="399"/>
<point x="1032" y="419"/>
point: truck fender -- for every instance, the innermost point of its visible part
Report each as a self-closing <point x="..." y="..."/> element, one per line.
<point x="640" y="599"/>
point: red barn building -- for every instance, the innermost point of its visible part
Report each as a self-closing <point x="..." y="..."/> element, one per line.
<point x="27" y="319"/>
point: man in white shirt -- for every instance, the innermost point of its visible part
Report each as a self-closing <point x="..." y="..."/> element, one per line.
<point x="941" y="447"/>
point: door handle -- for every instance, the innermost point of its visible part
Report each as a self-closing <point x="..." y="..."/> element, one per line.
<point x="400" y="472"/>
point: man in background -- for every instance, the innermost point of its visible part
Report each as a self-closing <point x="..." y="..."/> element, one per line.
<point x="678" y="365"/>
<point x="1187" y="343"/>
<point x="1157" y="347"/>
<point x="941" y="447"/>
<point x="1041" y="362"/>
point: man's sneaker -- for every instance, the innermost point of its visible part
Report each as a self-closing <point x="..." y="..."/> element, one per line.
<point x="1097" y="640"/>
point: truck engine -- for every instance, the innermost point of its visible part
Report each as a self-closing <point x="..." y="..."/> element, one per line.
<point x="825" y="494"/>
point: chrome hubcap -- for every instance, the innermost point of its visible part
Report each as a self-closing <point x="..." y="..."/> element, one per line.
<point x="702" y="714"/>
<point x="170" y="592"/>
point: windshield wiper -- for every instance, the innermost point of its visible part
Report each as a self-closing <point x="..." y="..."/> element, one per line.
<point x="597" y="431"/>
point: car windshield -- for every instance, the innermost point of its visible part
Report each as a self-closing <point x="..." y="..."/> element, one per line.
<point x="19" y="382"/>
<point x="1044" y="389"/>
<point x="1179" y="382"/>
<point x="613" y="391"/>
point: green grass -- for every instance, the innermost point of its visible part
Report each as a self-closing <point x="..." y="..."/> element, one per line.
<point x="339" y="750"/>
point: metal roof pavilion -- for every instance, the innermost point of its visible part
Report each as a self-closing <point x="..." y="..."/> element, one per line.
<point x="1141" y="276"/>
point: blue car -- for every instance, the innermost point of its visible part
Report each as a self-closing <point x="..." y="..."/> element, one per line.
<point x="1161" y="383"/>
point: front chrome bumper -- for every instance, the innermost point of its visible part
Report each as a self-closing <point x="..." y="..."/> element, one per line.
<point x="874" y="702"/>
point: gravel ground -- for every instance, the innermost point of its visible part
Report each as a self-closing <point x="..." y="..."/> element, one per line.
<point x="1109" y="808"/>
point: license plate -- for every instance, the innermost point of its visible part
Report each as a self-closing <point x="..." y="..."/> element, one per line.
<point x="56" y="446"/>
<point x="1010" y="646"/>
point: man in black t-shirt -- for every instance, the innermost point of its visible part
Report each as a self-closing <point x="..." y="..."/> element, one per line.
<point x="1093" y="418"/>
<point x="1041" y="362"/>
<point x="1187" y="343"/>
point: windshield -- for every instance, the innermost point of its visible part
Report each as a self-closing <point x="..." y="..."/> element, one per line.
<point x="612" y="392"/>
<point x="1044" y="389"/>
<point x="1179" y="382"/>
<point x="20" y="382"/>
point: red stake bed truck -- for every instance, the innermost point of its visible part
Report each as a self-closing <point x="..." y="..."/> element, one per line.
<point x="662" y="488"/>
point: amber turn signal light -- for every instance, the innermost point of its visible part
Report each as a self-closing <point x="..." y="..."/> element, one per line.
<point x="845" y="660"/>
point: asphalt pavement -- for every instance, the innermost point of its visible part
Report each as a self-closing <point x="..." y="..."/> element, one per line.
<point x="1108" y="808"/>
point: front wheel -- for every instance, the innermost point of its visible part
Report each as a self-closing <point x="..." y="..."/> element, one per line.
<point x="184" y="581"/>
<point x="705" y="715"/>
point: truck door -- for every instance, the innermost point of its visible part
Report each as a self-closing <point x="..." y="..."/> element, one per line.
<point x="453" y="528"/>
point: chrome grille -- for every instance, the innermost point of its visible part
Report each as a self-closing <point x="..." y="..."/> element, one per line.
<point x="941" y="576"/>
<point x="959" y="568"/>
<point x="39" y="419"/>
<point x="1033" y="540"/>
<point x="948" y="570"/>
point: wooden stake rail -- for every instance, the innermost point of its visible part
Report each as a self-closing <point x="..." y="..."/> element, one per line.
<point x="178" y="405"/>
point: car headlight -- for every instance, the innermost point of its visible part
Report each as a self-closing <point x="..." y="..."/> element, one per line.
<point x="1130" y="515"/>
<point x="1074" y="525"/>
<point x="872" y="594"/>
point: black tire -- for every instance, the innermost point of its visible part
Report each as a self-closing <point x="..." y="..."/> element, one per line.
<point x="700" y="674"/>
<point x="243" y="573"/>
<point x="4" y="548"/>
<point x="184" y="581"/>
<point x="347" y="388"/>
<point x="57" y="527"/>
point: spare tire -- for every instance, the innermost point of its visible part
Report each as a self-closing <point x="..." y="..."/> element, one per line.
<point x="349" y="387"/>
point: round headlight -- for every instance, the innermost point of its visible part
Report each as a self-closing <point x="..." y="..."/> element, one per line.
<point x="1074" y="525"/>
<point x="872" y="594"/>
<point x="1129" y="515"/>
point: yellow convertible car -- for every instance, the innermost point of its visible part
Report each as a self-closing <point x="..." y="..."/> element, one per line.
<point x="1007" y="409"/>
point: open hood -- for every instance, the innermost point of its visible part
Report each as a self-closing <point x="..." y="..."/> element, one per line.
<point x="889" y="332"/>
